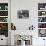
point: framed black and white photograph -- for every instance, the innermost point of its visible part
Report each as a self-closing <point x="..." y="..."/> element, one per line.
<point x="23" y="14"/>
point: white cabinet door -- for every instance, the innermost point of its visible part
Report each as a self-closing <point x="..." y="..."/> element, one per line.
<point x="41" y="41"/>
<point x="3" y="40"/>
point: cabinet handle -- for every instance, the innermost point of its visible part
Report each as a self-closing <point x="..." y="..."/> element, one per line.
<point x="43" y="39"/>
<point x="1" y="39"/>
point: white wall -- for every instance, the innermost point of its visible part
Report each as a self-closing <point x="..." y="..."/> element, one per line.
<point x="3" y="1"/>
<point x="23" y="24"/>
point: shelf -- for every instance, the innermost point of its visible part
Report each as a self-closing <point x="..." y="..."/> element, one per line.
<point x="41" y="10"/>
<point x="42" y="16"/>
<point x="3" y="22"/>
<point x="3" y="16"/>
<point x="41" y="28"/>
<point x="41" y="22"/>
<point x="3" y="10"/>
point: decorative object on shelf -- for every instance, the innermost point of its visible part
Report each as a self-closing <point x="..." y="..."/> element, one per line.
<point x="31" y="27"/>
<point x="41" y="19"/>
<point x="3" y="6"/>
<point x="6" y="7"/>
<point x="42" y="32"/>
<point x="41" y="6"/>
<point x="40" y="25"/>
<point x="23" y="14"/>
<point x="4" y="29"/>
<point x="3" y="19"/>
<point x="4" y="26"/>
<point x="0" y="7"/>
<point x="41" y="13"/>
<point x="45" y="7"/>
<point x="13" y="27"/>
<point x="3" y="13"/>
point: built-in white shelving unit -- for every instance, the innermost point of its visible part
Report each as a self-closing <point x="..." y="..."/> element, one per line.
<point x="4" y="19"/>
<point x="42" y="19"/>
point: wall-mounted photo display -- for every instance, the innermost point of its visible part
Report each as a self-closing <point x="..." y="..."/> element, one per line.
<point x="42" y="32"/>
<point x="41" y="6"/>
<point x="23" y="40"/>
<point x="23" y="14"/>
<point x="4" y="29"/>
